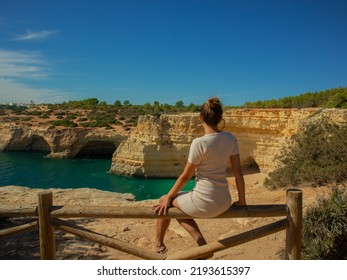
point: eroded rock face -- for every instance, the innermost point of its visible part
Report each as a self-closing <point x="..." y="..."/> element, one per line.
<point x="262" y="132"/>
<point x="159" y="146"/>
<point x="60" y="142"/>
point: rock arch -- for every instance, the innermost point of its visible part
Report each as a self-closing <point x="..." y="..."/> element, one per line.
<point x="97" y="149"/>
<point x="250" y="162"/>
<point x="38" y="144"/>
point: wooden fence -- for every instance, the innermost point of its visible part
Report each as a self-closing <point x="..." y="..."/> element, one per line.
<point x="49" y="219"/>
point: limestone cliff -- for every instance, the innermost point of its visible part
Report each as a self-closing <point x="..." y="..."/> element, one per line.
<point x="158" y="146"/>
<point x="59" y="142"/>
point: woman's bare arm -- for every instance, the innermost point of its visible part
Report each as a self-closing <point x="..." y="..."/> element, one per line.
<point x="240" y="182"/>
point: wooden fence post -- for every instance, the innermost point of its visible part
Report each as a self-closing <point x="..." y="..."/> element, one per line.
<point x="46" y="230"/>
<point x="294" y="230"/>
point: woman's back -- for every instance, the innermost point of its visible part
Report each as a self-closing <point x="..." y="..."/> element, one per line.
<point x="211" y="153"/>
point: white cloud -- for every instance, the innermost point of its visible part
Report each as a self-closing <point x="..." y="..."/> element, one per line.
<point x="21" y="64"/>
<point x="38" y="35"/>
<point x="13" y="91"/>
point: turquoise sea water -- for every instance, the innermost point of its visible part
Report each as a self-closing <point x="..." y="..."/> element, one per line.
<point x="33" y="170"/>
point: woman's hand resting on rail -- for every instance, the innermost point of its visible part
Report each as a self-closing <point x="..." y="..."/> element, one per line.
<point x="164" y="204"/>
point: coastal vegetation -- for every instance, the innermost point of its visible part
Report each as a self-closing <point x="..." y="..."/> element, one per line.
<point x="316" y="155"/>
<point x="91" y="112"/>
<point x="325" y="227"/>
<point x="332" y="98"/>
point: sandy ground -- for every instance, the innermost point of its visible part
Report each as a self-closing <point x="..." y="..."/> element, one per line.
<point x="142" y="232"/>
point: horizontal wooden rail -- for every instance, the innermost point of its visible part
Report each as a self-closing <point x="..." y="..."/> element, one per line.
<point x="142" y="212"/>
<point x="145" y="212"/>
<point x="228" y="242"/>
<point x="18" y="229"/>
<point x="13" y="212"/>
<point x="107" y="241"/>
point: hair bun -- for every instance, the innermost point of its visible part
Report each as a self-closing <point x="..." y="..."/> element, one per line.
<point x="212" y="111"/>
<point x="213" y="102"/>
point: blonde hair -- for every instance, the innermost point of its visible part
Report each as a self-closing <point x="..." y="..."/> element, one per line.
<point x="212" y="111"/>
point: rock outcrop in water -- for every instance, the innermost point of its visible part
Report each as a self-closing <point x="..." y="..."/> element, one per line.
<point x="158" y="146"/>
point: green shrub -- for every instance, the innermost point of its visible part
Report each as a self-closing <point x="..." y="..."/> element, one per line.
<point x="101" y="119"/>
<point x="64" y="122"/>
<point x="34" y="113"/>
<point x="316" y="155"/>
<point x="95" y="124"/>
<point x="71" y="117"/>
<point x="339" y="100"/>
<point x="324" y="235"/>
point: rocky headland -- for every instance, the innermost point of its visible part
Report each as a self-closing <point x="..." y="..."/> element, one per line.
<point x="158" y="145"/>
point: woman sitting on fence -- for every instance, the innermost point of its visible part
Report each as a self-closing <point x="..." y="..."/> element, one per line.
<point x="208" y="158"/>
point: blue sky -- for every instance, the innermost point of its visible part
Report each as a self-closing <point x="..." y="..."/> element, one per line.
<point x="160" y="50"/>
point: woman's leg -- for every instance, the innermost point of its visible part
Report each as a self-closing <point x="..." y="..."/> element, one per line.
<point x="188" y="224"/>
<point x="162" y="226"/>
<point x="191" y="227"/>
